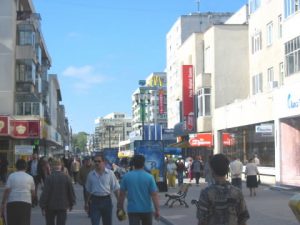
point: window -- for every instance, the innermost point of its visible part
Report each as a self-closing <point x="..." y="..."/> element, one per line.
<point x="256" y="42"/>
<point x="26" y="71"/>
<point x="207" y="66"/>
<point x="280" y="26"/>
<point x="253" y="5"/>
<point x="270" y="74"/>
<point x="28" y="108"/>
<point x="290" y="7"/>
<point x="269" y="34"/>
<point x="292" y="56"/>
<point x="204" y="102"/>
<point x="26" y="35"/>
<point x="257" y="84"/>
<point x="281" y="73"/>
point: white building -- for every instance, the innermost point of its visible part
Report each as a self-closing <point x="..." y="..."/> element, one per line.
<point x="149" y="103"/>
<point x="111" y="129"/>
<point x="178" y="34"/>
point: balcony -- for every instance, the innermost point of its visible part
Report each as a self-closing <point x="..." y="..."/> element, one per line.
<point x="26" y="52"/>
<point x="29" y="18"/>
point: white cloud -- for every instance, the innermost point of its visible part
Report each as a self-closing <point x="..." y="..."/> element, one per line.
<point x="84" y="77"/>
<point x="73" y="35"/>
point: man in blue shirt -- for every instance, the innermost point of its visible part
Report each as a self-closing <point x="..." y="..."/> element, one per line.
<point x="140" y="188"/>
<point x="100" y="184"/>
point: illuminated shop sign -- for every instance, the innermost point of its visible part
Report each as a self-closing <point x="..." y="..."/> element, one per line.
<point x="264" y="128"/>
<point x="292" y="101"/>
<point x="201" y="139"/>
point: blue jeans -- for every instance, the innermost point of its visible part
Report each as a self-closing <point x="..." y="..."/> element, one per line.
<point x="237" y="182"/>
<point x="140" y="218"/>
<point x="101" y="207"/>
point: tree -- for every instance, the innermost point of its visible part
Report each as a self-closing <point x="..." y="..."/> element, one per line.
<point x="79" y="141"/>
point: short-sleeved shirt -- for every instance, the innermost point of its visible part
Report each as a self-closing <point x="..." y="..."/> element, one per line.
<point x="101" y="184"/>
<point x="139" y="186"/>
<point x="21" y="185"/>
<point x="222" y="204"/>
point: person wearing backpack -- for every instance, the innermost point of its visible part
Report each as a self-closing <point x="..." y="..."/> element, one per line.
<point x="197" y="168"/>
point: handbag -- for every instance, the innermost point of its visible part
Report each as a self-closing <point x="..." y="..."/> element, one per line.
<point x="258" y="181"/>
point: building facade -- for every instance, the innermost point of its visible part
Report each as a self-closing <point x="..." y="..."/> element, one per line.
<point x="110" y="130"/>
<point x="149" y="105"/>
<point x="27" y="119"/>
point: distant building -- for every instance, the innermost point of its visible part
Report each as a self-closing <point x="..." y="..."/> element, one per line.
<point x="111" y="129"/>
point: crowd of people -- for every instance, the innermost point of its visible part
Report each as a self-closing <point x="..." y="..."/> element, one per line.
<point x="55" y="178"/>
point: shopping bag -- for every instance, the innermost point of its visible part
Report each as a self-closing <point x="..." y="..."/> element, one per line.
<point x="2" y="221"/>
<point x="294" y="204"/>
<point x="258" y="181"/>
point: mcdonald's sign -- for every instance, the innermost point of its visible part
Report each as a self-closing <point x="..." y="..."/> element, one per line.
<point x="156" y="81"/>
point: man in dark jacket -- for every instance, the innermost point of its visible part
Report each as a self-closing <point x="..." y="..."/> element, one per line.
<point x="58" y="196"/>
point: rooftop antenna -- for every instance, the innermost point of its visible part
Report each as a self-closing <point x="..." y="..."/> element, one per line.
<point x="198" y="5"/>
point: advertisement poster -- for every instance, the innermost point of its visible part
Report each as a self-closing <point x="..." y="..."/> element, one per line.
<point x="111" y="156"/>
<point x="154" y="155"/>
<point x="188" y="96"/>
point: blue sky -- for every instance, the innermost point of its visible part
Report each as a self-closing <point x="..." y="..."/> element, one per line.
<point x="101" y="49"/>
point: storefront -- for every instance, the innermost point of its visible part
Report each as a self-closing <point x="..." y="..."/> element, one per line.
<point x="288" y="126"/>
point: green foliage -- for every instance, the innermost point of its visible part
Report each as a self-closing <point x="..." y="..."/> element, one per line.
<point x="79" y="141"/>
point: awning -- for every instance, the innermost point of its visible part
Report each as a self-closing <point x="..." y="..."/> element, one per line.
<point x="182" y="144"/>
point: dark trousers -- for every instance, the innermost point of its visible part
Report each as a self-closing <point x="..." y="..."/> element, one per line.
<point x="18" y="213"/>
<point x="60" y="216"/>
<point x="197" y="177"/>
<point x="237" y="182"/>
<point x="101" y="207"/>
<point x="140" y="218"/>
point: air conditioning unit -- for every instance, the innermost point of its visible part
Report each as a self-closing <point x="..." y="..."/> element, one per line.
<point x="273" y="84"/>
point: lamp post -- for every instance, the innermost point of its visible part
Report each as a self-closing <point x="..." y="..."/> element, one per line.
<point x="142" y="99"/>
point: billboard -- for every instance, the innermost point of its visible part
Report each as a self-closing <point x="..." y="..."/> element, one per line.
<point x="154" y="155"/>
<point x="188" y="96"/>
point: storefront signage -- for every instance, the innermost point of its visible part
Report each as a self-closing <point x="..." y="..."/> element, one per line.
<point x="228" y="139"/>
<point x="201" y="139"/>
<point x="264" y="128"/>
<point x="156" y="81"/>
<point x="23" y="149"/>
<point x="20" y="128"/>
<point x="161" y="101"/>
<point x="292" y="101"/>
<point x="3" y="125"/>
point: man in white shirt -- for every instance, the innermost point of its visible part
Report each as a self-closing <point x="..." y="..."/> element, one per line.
<point x="256" y="160"/>
<point x="236" y="169"/>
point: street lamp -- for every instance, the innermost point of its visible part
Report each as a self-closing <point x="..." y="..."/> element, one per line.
<point x="142" y="99"/>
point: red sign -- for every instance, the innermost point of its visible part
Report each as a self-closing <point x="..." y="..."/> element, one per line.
<point x="228" y="139"/>
<point x="3" y="125"/>
<point x="34" y="128"/>
<point x="201" y="140"/>
<point x="187" y="90"/>
<point x="20" y="128"/>
<point x="161" y="102"/>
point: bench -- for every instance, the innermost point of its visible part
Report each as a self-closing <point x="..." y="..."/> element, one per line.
<point x="178" y="197"/>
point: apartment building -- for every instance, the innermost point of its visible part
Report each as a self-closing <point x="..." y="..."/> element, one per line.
<point x="110" y="130"/>
<point x="179" y="32"/>
<point x="28" y="122"/>
<point x="149" y="106"/>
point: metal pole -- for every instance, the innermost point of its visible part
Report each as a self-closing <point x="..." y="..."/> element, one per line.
<point x="143" y="118"/>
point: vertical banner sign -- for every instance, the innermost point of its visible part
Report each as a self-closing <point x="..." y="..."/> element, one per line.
<point x="161" y="101"/>
<point x="188" y="96"/>
<point x="3" y="125"/>
<point x="34" y="129"/>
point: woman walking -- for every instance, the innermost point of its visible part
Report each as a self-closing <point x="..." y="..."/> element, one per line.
<point x="251" y="174"/>
<point x="19" y="190"/>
